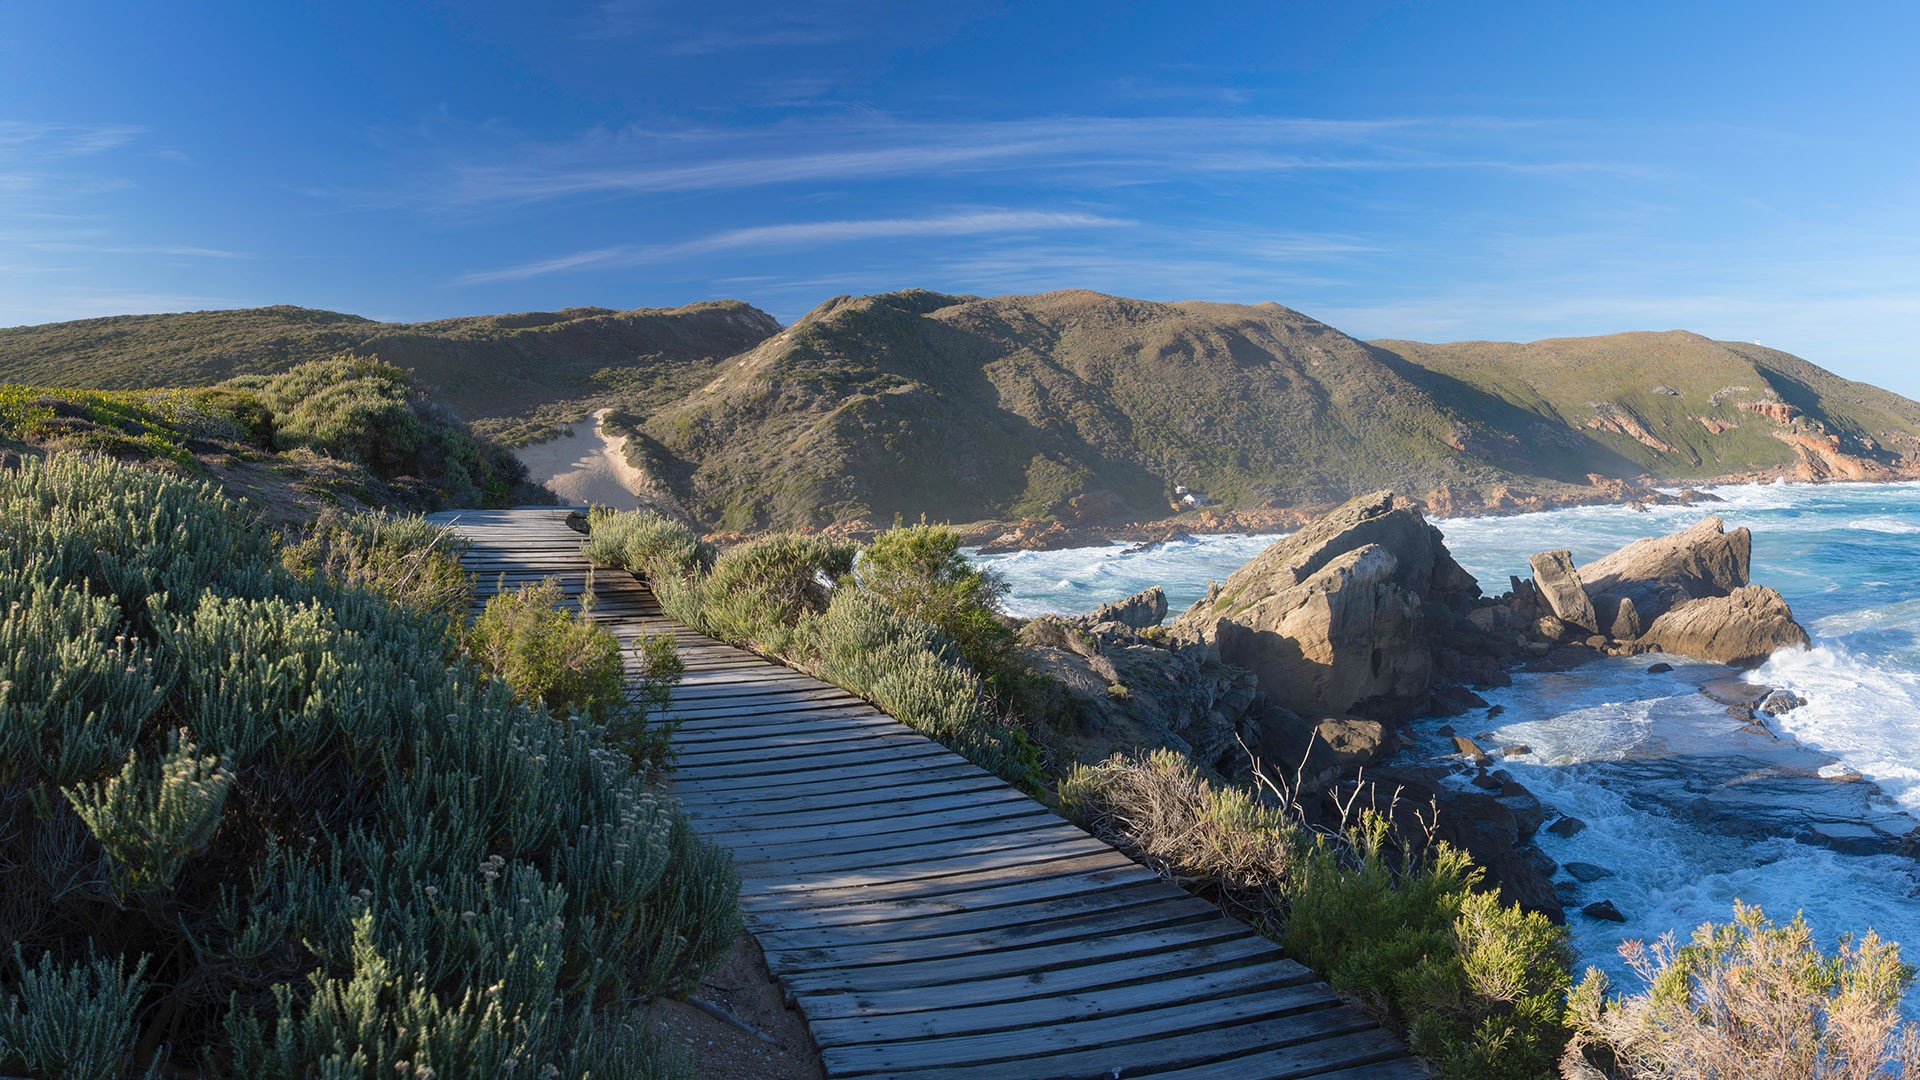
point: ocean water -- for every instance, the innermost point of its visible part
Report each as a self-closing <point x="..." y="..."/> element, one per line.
<point x="1686" y="810"/>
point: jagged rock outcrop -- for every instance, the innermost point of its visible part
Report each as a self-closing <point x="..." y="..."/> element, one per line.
<point x="1659" y="572"/>
<point x="1742" y="628"/>
<point x="1560" y="586"/>
<point x="1139" y="611"/>
<point x="1115" y="690"/>
<point x="1333" y="619"/>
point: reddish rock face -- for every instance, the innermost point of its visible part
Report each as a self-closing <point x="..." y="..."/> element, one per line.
<point x="1777" y="411"/>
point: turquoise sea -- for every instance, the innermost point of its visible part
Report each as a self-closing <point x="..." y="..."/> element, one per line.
<point x="1685" y="811"/>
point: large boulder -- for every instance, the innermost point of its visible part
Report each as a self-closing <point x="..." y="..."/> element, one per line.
<point x="1331" y="618"/>
<point x="1660" y="572"/>
<point x="1742" y="629"/>
<point x="1139" y="611"/>
<point x="1561" y="587"/>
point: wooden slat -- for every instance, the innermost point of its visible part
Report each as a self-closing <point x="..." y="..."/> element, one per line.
<point x="929" y="920"/>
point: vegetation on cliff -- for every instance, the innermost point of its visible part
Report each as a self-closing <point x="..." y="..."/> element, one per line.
<point x="508" y="371"/>
<point x="261" y="821"/>
<point x="1086" y="408"/>
<point x="342" y="430"/>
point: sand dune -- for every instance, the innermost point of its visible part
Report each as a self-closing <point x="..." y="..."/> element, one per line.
<point x="588" y="467"/>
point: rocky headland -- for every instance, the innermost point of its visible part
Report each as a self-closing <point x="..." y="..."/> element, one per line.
<point x="1311" y="660"/>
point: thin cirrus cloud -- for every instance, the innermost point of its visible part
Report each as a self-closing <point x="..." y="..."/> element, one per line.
<point x="642" y="162"/>
<point x="803" y="234"/>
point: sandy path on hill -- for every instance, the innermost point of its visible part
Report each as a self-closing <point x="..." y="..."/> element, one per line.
<point x="587" y="467"/>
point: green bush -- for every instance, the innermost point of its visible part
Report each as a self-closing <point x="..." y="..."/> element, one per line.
<point x="563" y="663"/>
<point x="648" y="544"/>
<point x="1478" y="988"/>
<point x="758" y="591"/>
<point x="1749" y="998"/>
<point x="259" y="823"/>
<point x="408" y="561"/>
<point x="912" y="671"/>
<point x="792" y="597"/>
<point x="371" y="413"/>
<point x="920" y="572"/>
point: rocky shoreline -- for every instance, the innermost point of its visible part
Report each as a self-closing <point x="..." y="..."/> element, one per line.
<point x="993" y="537"/>
<point x="1318" y="655"/>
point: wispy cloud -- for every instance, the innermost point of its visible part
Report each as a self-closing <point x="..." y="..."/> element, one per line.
<point x="184" y="251"/>
<point x="879" y="148"/>
<point x="25" y="140"/>
<point x="804" y="234"/>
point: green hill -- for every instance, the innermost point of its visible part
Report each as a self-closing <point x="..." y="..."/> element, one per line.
<point x="1681" y="406"/>
<point x="1087" y="408"/>
<point x="500" y="371"/>
<point x="1094" y="409"/>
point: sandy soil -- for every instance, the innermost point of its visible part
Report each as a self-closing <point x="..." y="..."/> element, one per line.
<point x="721" y="1051"/>
<point x="587" y="467"/>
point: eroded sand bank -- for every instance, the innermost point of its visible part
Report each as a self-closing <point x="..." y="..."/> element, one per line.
<point x="588" y="466"/>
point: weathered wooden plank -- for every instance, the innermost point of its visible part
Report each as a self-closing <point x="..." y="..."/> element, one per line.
<point x="1360" y="1055"/>
<point x="1058" y="984"/>
<point x="859" y="896"/>
<point x="1002" y="1015"/>
<point x="951" y="921"/>
<point x="864" y="821"/>
<point x="1034" y="960"/>
<point x="759" y="764"/>
<point x="924" y="860"/>
<point x="873" y="773"/>
<point x="1119" y="1030"/>
<point x="852" y="765"/>
<point x="931" y="780"/>
<point x="1075" y="929"/>
<point x="693" y="757"/>
<point x="879" y="845"/>
<point x="1132" y="1058"/>
<point x="989" y="897"/>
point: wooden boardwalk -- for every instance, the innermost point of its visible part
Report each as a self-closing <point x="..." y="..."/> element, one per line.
<point x="928" y="919"/>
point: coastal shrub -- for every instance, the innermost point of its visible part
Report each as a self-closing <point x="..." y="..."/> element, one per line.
<point x="406" y="560"/>
<point x="758" y="591"/>
<point x="372" y="414"/>
<point x="258" y="823"/>
<point x="652" y="545"/>
<point x="1749" y="998"/>
<point x="1478" y="988"/>
<point x="920" y="572"/>
<point x="553" y="659"/>
<point x="788" y="596"/>
<point x="912" y="671"/>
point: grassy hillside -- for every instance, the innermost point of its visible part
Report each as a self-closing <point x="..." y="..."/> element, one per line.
<point x="338" y="432"/>
<point x="1087" y="408"/>
<point x="1071" y="404"/>
<point x="501" y="371"/>
<point x="1681" y="406"/>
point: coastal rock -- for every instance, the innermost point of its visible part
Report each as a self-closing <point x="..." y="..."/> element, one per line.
<point x="1781" y="702"/>
<point x="1559" y="584"/>
<point x="1586" y="872"/>
<point x="1603" y="909"/>
<point x="1661" y="572"/>
<point x="1568" y="827"/>
<point x="1331" y="618"/>
<point x="1741" y="629"/>
<point x="1165" y="697"/>
<point x="1619" y="618"/>
<point x="1139" y="611"/>
<point x="1660" y="668"/>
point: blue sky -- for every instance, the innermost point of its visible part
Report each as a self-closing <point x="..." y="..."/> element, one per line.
<point x="1426" y="170"/>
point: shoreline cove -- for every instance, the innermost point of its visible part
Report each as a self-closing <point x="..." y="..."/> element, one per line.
<point x="1684" y="812"/>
